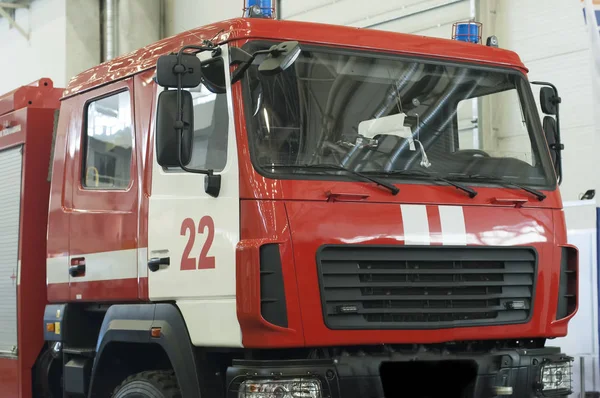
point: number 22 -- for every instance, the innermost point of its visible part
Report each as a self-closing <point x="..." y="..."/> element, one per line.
<point x="204" y="261"/>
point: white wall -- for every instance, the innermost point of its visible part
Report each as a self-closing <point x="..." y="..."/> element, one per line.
<point x="182" y="15"/>
<point x="43" y="55"/>
<point x="552" y="41"/>
<point x="82" y="41"/>
<point x="65" y="38"/>
<point x="427" y="17"/>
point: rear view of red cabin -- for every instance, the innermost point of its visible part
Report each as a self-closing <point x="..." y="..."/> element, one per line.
<point x="27" y="117"/>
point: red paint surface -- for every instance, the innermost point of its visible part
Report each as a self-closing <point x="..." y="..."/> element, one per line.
<point x="313" y="224"/>
<point x="265" y="222"/>
<point x="377" y="224"/>
<point x="145" y="96"/>
<point x="36" y="121"/>
<point x="9" y="378"/>
<point x="38" y="94"/>
<point x="239" y="28"/>
<point x="90" y="221"/>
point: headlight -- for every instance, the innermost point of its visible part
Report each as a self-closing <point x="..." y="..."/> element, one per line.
<point x="556" y="377"/>
<point x="290" y="388"/>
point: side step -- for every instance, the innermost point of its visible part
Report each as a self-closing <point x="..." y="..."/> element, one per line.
<point x="77" y="369"/>
<point x="82" y="352"/>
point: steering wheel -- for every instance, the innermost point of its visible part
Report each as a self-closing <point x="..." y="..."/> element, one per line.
<point x="472" y="152"/>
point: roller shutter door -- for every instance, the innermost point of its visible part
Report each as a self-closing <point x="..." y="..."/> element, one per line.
<point x="10" y="204"/>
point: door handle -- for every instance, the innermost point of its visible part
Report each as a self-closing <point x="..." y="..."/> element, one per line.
<point x="77" y="267"/>
<point x="155" y="263"/>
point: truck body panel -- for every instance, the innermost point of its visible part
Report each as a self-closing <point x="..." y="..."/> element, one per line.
<point x="27" y="117"/>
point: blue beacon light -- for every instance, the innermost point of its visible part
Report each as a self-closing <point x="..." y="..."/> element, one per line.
<point x="259" y="8"/>
<point x="469" y="32"/>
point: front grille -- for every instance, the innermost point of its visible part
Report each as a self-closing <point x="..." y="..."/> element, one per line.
<point x="407" y="287"/>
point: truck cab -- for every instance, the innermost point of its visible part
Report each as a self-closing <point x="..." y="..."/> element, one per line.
<point x="262" y="208"/>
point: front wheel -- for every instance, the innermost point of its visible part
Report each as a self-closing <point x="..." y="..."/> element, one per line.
<point x="151" y="384"/>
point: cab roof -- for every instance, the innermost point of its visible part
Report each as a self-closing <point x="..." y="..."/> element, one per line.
<point x="304" y="32"/>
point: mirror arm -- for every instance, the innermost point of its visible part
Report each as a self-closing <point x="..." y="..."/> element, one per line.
<point x="245" y="64"/>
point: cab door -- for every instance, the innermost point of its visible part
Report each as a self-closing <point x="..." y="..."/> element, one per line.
<point x="103" y="235"/>
<point x="192" y="236"/>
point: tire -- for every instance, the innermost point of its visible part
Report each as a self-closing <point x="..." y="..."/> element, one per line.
<point x="151" y="384"/>
<point x="47" y="376"/>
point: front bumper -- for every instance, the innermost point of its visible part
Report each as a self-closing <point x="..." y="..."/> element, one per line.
<point x="511" y="373"/>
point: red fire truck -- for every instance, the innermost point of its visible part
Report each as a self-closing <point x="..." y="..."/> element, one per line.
<point x="261" y="208"/>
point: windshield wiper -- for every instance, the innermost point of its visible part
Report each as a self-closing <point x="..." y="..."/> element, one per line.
<point x="393" y="189"/>
<point x="539" y="195"/>
<point x="413" y="172"/>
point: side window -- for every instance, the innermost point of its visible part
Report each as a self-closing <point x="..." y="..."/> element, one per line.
<point x="502" y="131"/>
<point x="467" y="131"/>
<point x="211" y="125"/>
<point x="108" y="139"/>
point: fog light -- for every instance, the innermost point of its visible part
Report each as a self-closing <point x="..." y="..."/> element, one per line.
<point x="556" y="377"/>
<point x="290" y="388"/>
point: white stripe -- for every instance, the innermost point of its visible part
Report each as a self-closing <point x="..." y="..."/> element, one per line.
<point x="416" y="224"/>
<point x="19" y="273"/>
<point x="120" y="264"/>
<point x="57" y="270"/>
<point x="142" y="260"/>
<point x="452" y="220"/>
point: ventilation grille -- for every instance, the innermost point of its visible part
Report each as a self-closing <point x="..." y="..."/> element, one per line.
<point x="272" y="292"/>
<point x="401" y="287"/>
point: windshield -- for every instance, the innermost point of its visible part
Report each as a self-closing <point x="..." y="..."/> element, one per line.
<point x="389" y="116"/>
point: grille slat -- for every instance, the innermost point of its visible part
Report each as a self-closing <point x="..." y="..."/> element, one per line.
<point x="351" y="284"/>
<point x="349" y="297"/>
<point x="404" y="287"/>
<point x="511" y="270"/>
<point x="427" y="310"/>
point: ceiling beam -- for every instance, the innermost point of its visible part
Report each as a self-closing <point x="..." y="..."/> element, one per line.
<point x="13" y="5"/>
<point x="12" y="22"/>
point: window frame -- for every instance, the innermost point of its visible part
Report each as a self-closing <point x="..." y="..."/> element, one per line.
<point x="84" y="142"/>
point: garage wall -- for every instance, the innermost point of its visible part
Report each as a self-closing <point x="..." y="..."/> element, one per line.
<point x="427" y="17"/>
<point x="182" y="15"/>
<point x="558" y="52"/>
<point x="44" y="55"/>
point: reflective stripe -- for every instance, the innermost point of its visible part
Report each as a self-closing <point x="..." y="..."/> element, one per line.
<point x="452" y="219"/>
<point x="416" y="224"/>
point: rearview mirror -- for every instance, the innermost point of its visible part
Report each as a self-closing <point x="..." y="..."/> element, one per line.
<point x="551" y="133"/>
<point x="281" y="57"/>
<point x="548" y="101"/>
<point x="168" y="69"/>
<point x="167" y="140"/>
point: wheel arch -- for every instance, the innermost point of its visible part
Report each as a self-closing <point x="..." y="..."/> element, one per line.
<point x="125" y="340"/>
